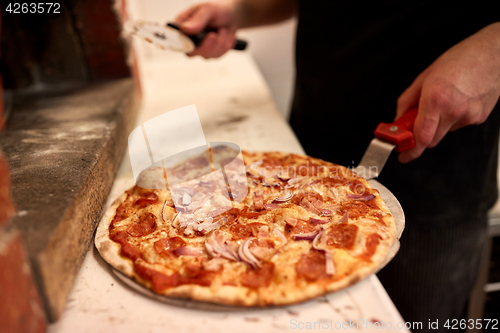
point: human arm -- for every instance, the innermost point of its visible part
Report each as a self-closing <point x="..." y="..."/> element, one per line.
<point x="227" y="16"/>
<point x="458" y="89"/>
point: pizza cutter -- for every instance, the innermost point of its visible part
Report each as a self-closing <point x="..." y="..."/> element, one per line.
<point x="170" y="36"/>
<point x="397" y="136"/>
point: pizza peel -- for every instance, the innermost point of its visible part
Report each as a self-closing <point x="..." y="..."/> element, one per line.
<point x="397" y="136"/>
<point x="388" y="137"/>
<point x="170" y="36"/>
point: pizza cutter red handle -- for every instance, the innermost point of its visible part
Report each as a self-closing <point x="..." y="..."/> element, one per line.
<point x="399" y="132"/>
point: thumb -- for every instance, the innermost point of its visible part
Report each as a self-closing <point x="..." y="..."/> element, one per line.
<point x="410" y="97"/>
<point x="195" y="19"/>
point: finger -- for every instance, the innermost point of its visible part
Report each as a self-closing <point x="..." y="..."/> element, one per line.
<point x="197" y="20"/>
<point x="424" y="131"/>
<point x="206" y="48"/>
<point x="410" y="97"/>
<point x="225" y="41"/>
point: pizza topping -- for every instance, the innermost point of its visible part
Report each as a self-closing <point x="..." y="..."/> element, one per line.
<point x="345" y="217"/>
<point x="317" y="221"/>
<point x="159" y="280"/>
<point x="372" y="242"/>
<point x="145" y="226"/>
<point x="217" y="245"/>
<point x="329" y="265"/>
<point x="246" y="255"/>
<point x="342" y="236"/>
<point x="355" y="208"/>
<point x="214" y="264"/>
<point x="258" y="201"/>
<point x="262" y="249"/>
<point x="288" y="195"/>
<point x="291" y="221"/>
<point x="319" y="241"/>
<point x="188" y="251"/>
<point x="127" y="250"/>
<point x="244" y="231"/>
<point x="308" y="236"/>
<point x="361" y="197"/>
<point x="167" y="246"/>
<point x="309" y="206"/>
<point x="301" y="227"/>
<point x="312" y="265"/>
<point x="279" y="234"/>
<point x="256" y="278"/>
<point x="325" y="212"/>
<point x="284" y="175"/>
<point x="271" y="206"/>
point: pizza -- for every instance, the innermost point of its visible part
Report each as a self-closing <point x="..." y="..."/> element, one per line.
<point x="296" y="228"/>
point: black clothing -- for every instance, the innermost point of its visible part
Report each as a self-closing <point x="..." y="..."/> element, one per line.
<point x="353" y="59"/>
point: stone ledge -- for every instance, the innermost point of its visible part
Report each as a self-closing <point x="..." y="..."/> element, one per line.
<point x="63" y="150"/>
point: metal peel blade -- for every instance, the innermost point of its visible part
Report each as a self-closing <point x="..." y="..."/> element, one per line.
<point x="374" y="159"/>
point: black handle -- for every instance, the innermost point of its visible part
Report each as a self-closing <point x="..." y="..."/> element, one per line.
<point x="198" y="38"/>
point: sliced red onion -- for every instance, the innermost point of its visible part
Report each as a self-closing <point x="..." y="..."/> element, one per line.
<point x="291" y="221"/>
<point x="176" y="218"/>
<point x="188" y="251"/>
<point x="285" y="176"/>
<point x="345" y="217"/>
<point x="312" y="220"/>
<point x="205" y="184"/>
<point x="271" y="206"/>
<point x="317" y="243"/>
<point x="185" y="189"/>
<point x="294" y="181"/>
<point x="280" y="235"/>
<point x="330" y="266"/>
<point x="361" y="197"/>
<point x="270" y="182"/>
<point x="308" y="236"/>
<point x="314" y="182"/>
<point x="288" y="195"/>
<point x="186" y="199"/>
<point x="325" y="212"/>
<point x="163" y="211"/>
<point x="247" y="256"/>
<point x="253" y="173"/>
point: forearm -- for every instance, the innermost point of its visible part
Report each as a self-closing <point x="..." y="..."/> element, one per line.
<point x="251" y="13"/>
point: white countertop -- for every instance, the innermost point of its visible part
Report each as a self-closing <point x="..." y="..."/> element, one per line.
<point x="234" y="104"/>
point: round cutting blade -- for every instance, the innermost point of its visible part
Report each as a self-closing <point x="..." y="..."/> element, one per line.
<point x="163" y="37"/>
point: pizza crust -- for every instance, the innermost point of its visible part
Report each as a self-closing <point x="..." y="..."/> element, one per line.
<point x="298" y="290"/>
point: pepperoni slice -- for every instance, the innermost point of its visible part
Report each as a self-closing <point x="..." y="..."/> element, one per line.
<point x="127" y="250"/>
<point x="166" y="246"/>
<point x="355" y="208"/>
<point x="302" y="227"/>
<point x="160" y="281"/>
<point x="244" y="231"/>
<point x="145" y="226"/>
<point x="312" y="265"/>
<point x="372" y="242"/>
<point x="146" y="199"/>
<point x="333" y="181"/>
<point x="256" y="278"/>
<point x="342" y="236"/>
